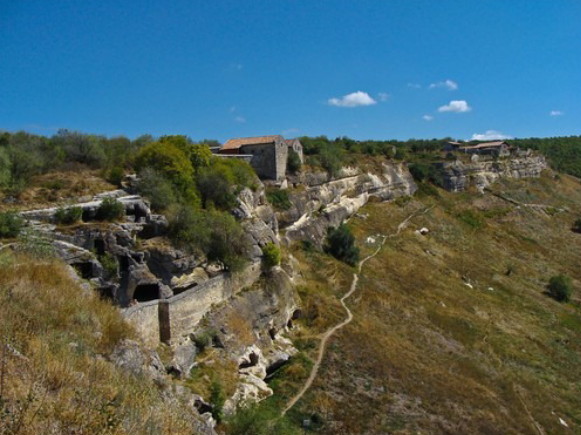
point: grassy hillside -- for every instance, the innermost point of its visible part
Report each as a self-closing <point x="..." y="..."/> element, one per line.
<point x="56" y="374"/>
<point x="453" y="331"/>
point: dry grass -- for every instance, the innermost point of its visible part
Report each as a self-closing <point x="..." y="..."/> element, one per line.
<point x="427" y="353"/>
<point x="54" y="374"/>
<point x="59" y="188"/>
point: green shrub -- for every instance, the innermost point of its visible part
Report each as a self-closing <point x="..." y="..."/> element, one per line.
<point x="215" y="188"/>
<point x="293" y="163"/>
<point x="115" y="176"/>
<point x="110" y="210"/>
<point x="426" y="172"/>
<point x="68" y="216"/>
<point x="169" y="161"/>
<point x="5" y="165"/>
<point x="341" y="245"/>
<point x="10" y="224"/>
<point x="400" y="153"/>
<point x="109" y="263"/>
<point x="560" y="288"/>
<point x="217" y="399"/>
<point x="204" y="339"/>
<point x="213" y="233"/>
<point x="279" y="199"/>
<point x="577" y="226"/>
<point x="157" y="189"/>
<point x="270" y="255"/>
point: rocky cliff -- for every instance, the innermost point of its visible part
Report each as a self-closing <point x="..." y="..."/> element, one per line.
<point x="318" y="203"/>
<point x="458" y="176"/>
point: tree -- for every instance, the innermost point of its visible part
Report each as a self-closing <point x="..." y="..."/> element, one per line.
<point x="157" y="189"/>
<point x="293" y="163"/>
<point x="213" y="233"/>
<point x="341" y="245"/>
<point x="171" y="162"/>
<point x="560" y="288"/>
<point x="10" y="224"/>
<point x="5" y="175"/>
<point x="577" y="226"/>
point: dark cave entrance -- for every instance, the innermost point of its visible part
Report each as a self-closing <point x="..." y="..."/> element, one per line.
<point x="99" y="246"/>
<point x="146" y="292"/>
<point x="85" y="270"/>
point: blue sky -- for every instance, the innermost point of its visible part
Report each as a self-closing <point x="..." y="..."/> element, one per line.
<point x="365" y="69"/>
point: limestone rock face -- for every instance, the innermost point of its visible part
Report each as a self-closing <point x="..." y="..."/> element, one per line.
<point x="323" y="203"/>
<point x="249" y="332"/>
<point x="458" y="176"/>
<point x="131" y="357"/>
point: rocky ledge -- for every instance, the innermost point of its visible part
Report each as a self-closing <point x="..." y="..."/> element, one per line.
<point x="458" y="176"/>
<point x="320" y="203"/>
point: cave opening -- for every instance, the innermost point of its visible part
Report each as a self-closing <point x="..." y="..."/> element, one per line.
<point x="85" y="270"/>
<point x="99" y="246"/>
<point x="146" y="292"/>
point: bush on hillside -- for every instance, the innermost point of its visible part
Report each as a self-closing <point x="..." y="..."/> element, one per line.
<point x="279" y="198"/>
<point x="270" y="255"/>
<point x="341" y="245"/>
<point x="115" y="175"/>
<point x="68" y="216"/>
<point x="215" y="188"/>
<point x="110" y="210"/>
<point x="426" y="172"/>
<point x="577" y="226"/>
<point x="157" y="189"/>
<point x="169" y="161"/>
<point x="212" y="233"/>
<point x="560" y="288"/>
<point x="5" y="165"/>
<point x="293" y="163"/>
<point x="10" y="224"/>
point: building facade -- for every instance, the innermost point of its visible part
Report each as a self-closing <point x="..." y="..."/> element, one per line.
<point x="268" y="155"/>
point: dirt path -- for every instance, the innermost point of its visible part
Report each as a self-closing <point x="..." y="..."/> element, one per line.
<point x="329" y="333"/>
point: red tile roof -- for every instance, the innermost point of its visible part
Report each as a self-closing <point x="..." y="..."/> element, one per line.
<point x="234" y="144"/>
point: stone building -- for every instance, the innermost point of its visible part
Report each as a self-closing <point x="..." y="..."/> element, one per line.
<point x="268" y="155"/>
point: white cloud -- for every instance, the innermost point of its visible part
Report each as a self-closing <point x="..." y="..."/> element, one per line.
<point x="556" y="113"/>
<point x="383" y="96"/>
<point x="414" y="85"/>
<point x="428" y="118"/>
<point x="450" y="85"/>
<point x="490" y="135"/>
<point x="240" y="119"/>
<point x="456" y="106"/>
<point x="354" y="99"/>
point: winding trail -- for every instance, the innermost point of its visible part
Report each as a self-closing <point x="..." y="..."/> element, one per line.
<point x="329" y="333"/>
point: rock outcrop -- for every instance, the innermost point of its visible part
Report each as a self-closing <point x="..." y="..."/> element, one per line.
<point x="322" y="203"/>
<point x="458" y="176"/>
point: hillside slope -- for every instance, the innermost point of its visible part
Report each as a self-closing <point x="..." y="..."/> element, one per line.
<point x="452" y="330"/>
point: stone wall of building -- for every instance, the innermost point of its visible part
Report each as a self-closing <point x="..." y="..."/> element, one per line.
<point x="281" y="150"/>
<point x="268" y="160"/>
